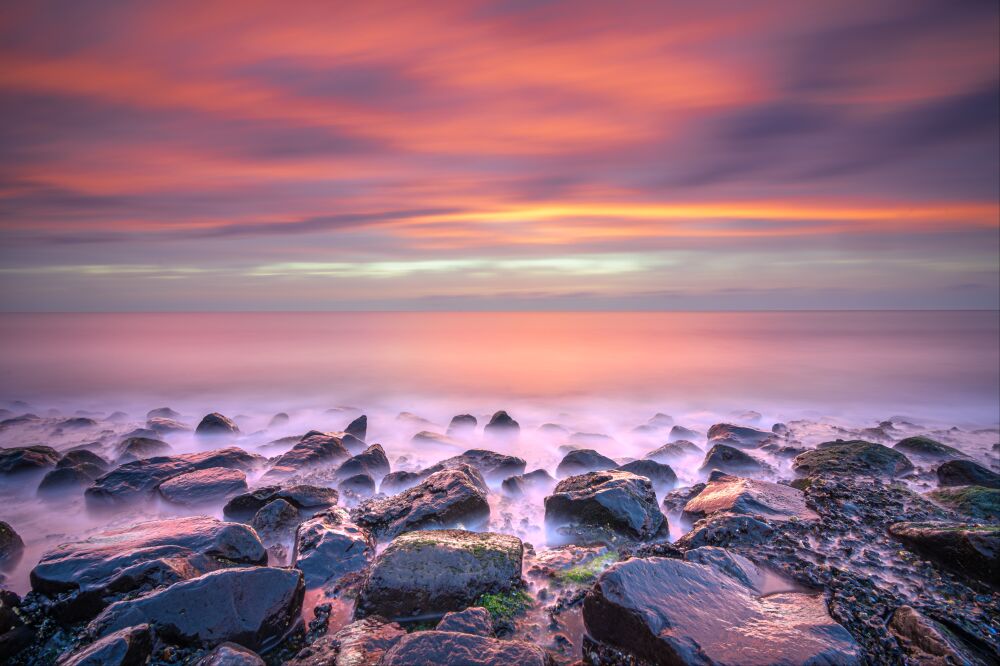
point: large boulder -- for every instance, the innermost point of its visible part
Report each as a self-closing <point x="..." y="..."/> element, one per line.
<point x="139" y="480"/>
<point x="203" y="486"/>
<point x="358" y="428"/>
<point x="976" y="502"/>
<point x="449" y="498"/>
<point x="502" y="427"/>
<point x="741" y="437"/>
<point x="973" y="550"/>
<point x="678" y="433"/>
<point x="216" y="424"/>
<point x="928" y="643"/>
<point x="130" y="646"/>
<point x="427" y="574"/>
<point x="83" y="458"/>
<point x="662" y="476"/>
<point x="852" y="458"/>
<point x="495" y="467"/>
<point x="536" y="482"/>
<point x="966" y="473"/>
<point x="124" y="560"/>
<point x="462" y="425"/>
<point x="140" y="448"/>
<point x="667" y="611"/>
<point x="22" y="459"/>
<point x="476" y="620"/>
<point x="360" y="643"/>
<point x="66" y="479"/>
<point x="582" y="461"/>
<point x="253" y="607"/>
<point x="674" y="451"/>
<point x="315" y="449"/>
<point x="732" y="461"/>
<point x="751" y="497"/>
<point x="329" y="546"/>
<point x="925" y="448"/>
<point x="603" y="506"/>
<point x="245" y="506"/>
<point x="230" y="654"/>
<point x="449" y="648"/>
<point x="11" y="546"/>
<point x="397" y="482"/>
<point x="372" y="461"/>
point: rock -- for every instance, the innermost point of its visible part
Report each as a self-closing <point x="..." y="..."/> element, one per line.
<point x="709" y="618"/>
<point x="426" y="437"/>
<point x="749" y="497"/>
<point x="124" y="560"/>
<point x="139" y="480"/>
<point x="427" y="574"/>
<point x="447" y="498"/>
<point x="216" y="424"/>
<point x="732" y="461"/>
<point x="15" y="634"/>
<point x="230" y="654"/>
<point x="372" y="462"/>
<point x="164" y="426"/>
<point x="928" y="449"/>
<point x="251" y="606"/>
<point x="966" y="473"/>
<point x="475" y="620"/>
<point x="781" y="430"/>
<point x="21" y="459"/>
<point x="732" y="564"/>
<point x="358" y="428"/>
<point x="590" y="439"/>
<point x="603" y="505"/>
<point x="929" y="643"/>
<point x="728" y="530"/>
<point x="139" y="432"/>
<point x="973" y="501"/>
<point x="738" y="436"/>
<point x="140" y="448"/>
<point x="502" y="426"/>
<point x="662" y="476"/>
<point x="274" y="519"/>
<point x="674" y="451"/>
<point x="674" y="501"/>
<point x="162" y="413"/>
<point x="82" y="458"/>
<point x="245" y="506"/>
<point x="537" y="482"/>
<point x="64" y="480"/>
<point x="357" y="487"/>
<point x="582" y="461"/>
<point x="316" y="449"/>
<point x="972" y="550"/>
<point x="852" y="458"/>
<point x="78" y="423"/>
<point x="462" y="425"/>
<point x="11" y="546"/>
<point x="678" y="433"/>
<point x="329" y="546"/>
<point x="278" y="420"/>
<point x="203" y="486"/>
<point x="396" y="482"/>
<point x="495" y="467"/>
<point x="360" y="643"/>
<point x="131" y="646"/>
<point x="446" y="648"/>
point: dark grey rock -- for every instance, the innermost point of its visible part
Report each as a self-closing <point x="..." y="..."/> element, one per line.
<point x="356" y="488"/>
<point x="972" y="550"/>
<point x="852" y="458"/>
<point x="738" y="436"/>
<point x="495" y="467"/>
<point x="275" y="519"/>
<point x="372" y="462"/>
<point x="216" y="424"/>
<point x="732" y="461"/>
<point x="131" y="646"/>
<point x="928" y="449"/>
<point x="245" y="506"/>
<point x="536" y="482"/>
<point x="502" y="427"/>
<point x="230" y="654"/>
<point x="966" y="473"/>
<point x="11" y="546"/>
<point x="462" y="425"/>
<point x="22" y="459"/>
<point x="446" y="648"/>
<point x="603" y="505"/>
<point x="278" y="420"/>
<point x="329" y="546"/>
<point x="475" y="620"/>
<point x="674" y="451"/>
<point x="314" y="450"/>
<point x="58" y="482"/>
<point x="358" y="428"/>
<point x="82" y="458"/>
<point x="727" y="529"/>
<point x="929" y="643"/>
<point x="976" y="502"/>
<point x="396" y="482"/>
<point x="678" y="433"/>
<point x="361" y="643"/>
<point x="662" y="476"/>
<point x="203" y="486"/>
<point x="582" y="461"/>
<point x="140" y="448"/>
<point x="164" y="426"/>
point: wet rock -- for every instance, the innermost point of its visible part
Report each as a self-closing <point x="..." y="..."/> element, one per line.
<point x="131" y="646"/>
<point x="973" y="501"/>
<point x="732" y="494"/>
<point x="78" y="423"/>
<point x="427" y="437"/>
<point x="462" y="425"/>
<point x="372" y="462"/>
<point x="966" y="473"/>
<point x="678" y="433"/>
<point x="360" y="643"/>
<point x="661" y="475"/>
<point x="21" y="459"/>
<point x="140" y="448"/>
<point x="162" y="413"/>
<point x="603" y="505"/>
<point x="709" y="618"/>
<point x="447" y="648"/>
<point x="727" y="530"/>
<point x="852" y="458"/>
<point x="674" y="451"/>
<point x="397" y="482"/>
<point x="278" y="420"/>
<point x="203" y="486"/>
<point x="251" y="606"/>
<point x="329" y="546"/>
<point x="475" y="620"/>
<point x="658" y="423"/>
<point x="495" y="467"/>
<point x="732" y="564"/>
<point x="66" y="479"/>
<point x="139" y="480"/>
<point x="538" y="481"/>
<point x="245" y="506"/>
<point x="502" y="426"/>
<point x="427" y="574"/>
<point x="357" y="487"/>
<point x="358" y="428"/>
<point x="139" y="432"/>
<point x="316" y="449"/>
<point x="582" y="461"/>
<point x="15" y="634"/>
<point x="11" y="545"/>
<point x="674" y="501"/>
<point x="447" y="498"/>
<point x="781" y="430"/>
<point x="164" y="426"/>
<point x="929" y="643"/>
<point x="738" y="436"/>
<point x="927" y="449"/>
<point x="973" y="550"/>
<point x="590" y="439"/>
<point x="153" y="553"/>
<point x="82" y="458"/>
<point x="275" y="519"/>
<point x="732" y="461"/>
<point x="230" y="654"/>
<point x="216" y="424"/>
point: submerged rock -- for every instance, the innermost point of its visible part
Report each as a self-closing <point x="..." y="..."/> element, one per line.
<point x="495" y="467"/>
<point x="603" y="505"/>
<point x="27" y="459"/>
<point x="973" y="550"/>
<point x="678" y="433"/>
<point x="203" y="486"/>
<point x="966" y="473"/>
<point x="216" y="424"/>
<point x="448" y="648"/>
<point x="279" y="419"/>
<point x="447" y="498"/>
<point x="665" y="611"/>
<point x="732" y="461"/>
<point x="131" y="646"/>
<point x="164" y="426"/>
<point x="852" y="458"/>
<point x="538" y="481"/>
<point x="732" y="494"/>
<point x="738" y="436"/>
<point x="502" y="426"/>
<point x="162" y="413"/>
<point x="397" y="482"/>
<point x="427" y="574"/>
<point x="356" y="488"/>
<point x="358" y="428"/>
<point x="82" y="458"/>
<point x="66" y="479"/>
<point x="140" y="448"/>
<point x="582" y="461"/>
<point x="462" y="425"/>
<point x="251" y="606"/>
<point x="329" y="546"/>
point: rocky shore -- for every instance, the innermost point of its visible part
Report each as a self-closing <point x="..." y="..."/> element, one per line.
<point x="212" y="544"/>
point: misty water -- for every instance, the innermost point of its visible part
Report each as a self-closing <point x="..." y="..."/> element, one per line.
<point x="589" y="380"/>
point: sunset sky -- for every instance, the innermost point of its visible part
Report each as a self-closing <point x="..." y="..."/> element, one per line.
<point x="499" y="155"/>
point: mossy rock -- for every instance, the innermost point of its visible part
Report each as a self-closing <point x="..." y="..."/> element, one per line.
<point x="852" y="458"/>
<point x="973" y="501"/>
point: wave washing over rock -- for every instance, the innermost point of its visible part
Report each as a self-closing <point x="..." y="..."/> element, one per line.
<point x="400" y="536"/>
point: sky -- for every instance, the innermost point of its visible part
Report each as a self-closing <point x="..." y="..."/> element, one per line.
<point x="512" y="155"/>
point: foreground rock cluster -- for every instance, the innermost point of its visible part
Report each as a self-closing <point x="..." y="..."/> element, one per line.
<point x="326" y="554"/>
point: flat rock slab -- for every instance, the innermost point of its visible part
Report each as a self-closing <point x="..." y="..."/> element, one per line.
<point x="666" y="611"/>
<point x="852" y="458"/>
<point x="203" y="486"/>
<point x="750" y="497"/>
<point x="427" y="574"/>
<point x="604" y="504"/>
<point x="251" y="606"/>
<point x="329" y="546"/>
<point x="447" y="648"/>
